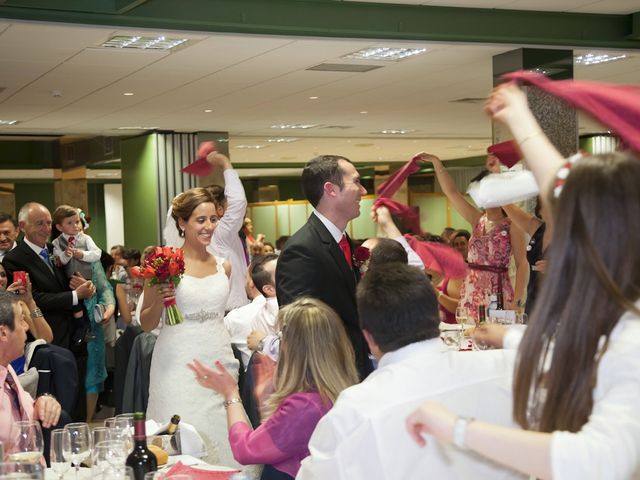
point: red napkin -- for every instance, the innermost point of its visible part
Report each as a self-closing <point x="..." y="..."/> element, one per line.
<point x="439" y="257"/>
<point x="616" y="106"/>
<point x="507" y="153"/>
<point x="201" y="168"/>
<point x="198" y="474"/>
<point x="410" y="215"/>
<point x="392" y="184"/>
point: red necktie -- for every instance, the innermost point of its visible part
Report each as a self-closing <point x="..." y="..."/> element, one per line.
<point x="346" y="248"/>
<point x="72" y="240"/>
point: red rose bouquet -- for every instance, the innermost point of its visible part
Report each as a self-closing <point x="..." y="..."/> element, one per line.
<point x="164" y="265"/>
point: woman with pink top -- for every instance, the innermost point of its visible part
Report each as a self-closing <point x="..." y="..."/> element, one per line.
<point x="316" y="363"/>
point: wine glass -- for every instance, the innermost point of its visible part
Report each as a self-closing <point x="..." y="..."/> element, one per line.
<point x="109" y="457"/>
<point x="25" y="442"/>
<point x="60" y="452"/>
<point x="23" y="471"/>
<point x="100" y="434"/>
<point x="80" y="443"/>
<point x="110" y="422"/>
<point x="123" y="430"/>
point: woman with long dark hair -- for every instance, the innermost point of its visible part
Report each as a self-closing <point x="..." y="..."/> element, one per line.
<point x="577" y="377"/>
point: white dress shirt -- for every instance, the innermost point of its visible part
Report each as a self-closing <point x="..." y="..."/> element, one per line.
<point x="91" y="254"/>
<point x="267" y="317"/>
<point x="363" y="437"/>
<point x="238" y="322"/>
<point x="4" y="252"/>
<point x="226" y="242"/>
<point x="335" y="232"/>
<point x="413" y="258"/>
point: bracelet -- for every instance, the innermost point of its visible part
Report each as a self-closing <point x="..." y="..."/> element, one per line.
<point x="228" y="403"/>
<point x="47" y="395"/>
<point x="36" y="312"/>
<point x="459" y="429"/>
<point x="530" y="136"/>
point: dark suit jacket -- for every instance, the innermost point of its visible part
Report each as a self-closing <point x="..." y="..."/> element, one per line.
<point x="50" y="290"/>
<point x="312" y="264"/>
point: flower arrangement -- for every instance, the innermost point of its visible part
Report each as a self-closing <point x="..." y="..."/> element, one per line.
<point x="164" y="265"/>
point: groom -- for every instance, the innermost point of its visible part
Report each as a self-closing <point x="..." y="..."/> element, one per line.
<point x="317" y="261"/>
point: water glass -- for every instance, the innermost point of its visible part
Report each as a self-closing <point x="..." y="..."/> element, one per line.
<point x="25" y="442"/>
<point x="60" y="452"/>
<point x="123" y="430"/>
<point x="100" y="434"/>
<point x="22" y="471"/>
<point x="110" y="422"/>
<point x="109" y="458"/>
<point x="80" y="443"/>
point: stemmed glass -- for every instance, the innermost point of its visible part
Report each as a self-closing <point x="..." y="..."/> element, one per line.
<point x="25" y="442"/>
<point x="123" y="429"/>
<point x="80" y="443"/>
<point x="461" y="318"/>
<point x="60" y="452"/>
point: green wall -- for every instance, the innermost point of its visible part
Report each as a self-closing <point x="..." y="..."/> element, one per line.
<point x="139" y="191"/>
<point x="98" y="227"/>
<point x="41" y="192"/>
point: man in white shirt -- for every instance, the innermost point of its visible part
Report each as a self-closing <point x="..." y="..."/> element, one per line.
<point x="226" y="242"/>
<point x="363" y="437"/>
<point x="8" y="234"/>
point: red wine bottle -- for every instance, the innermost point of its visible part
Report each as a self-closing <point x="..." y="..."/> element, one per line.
<point x="141" y="460"/>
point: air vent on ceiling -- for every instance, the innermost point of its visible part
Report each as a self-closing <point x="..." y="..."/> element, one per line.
<point x="344" y="67"/>
<point x="469" y="100"/>
<point x="336" y="127"/>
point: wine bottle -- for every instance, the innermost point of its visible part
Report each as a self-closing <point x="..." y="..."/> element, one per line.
<point x="173" y="425"/>
<point x="141" y="460"/>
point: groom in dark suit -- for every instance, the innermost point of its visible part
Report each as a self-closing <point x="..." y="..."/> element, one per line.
<point x="51" y="290"/>
<point x="317" y="261"/>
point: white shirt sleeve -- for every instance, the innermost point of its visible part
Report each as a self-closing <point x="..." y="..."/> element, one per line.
<point x="93" y="253"/>
<point x="58" y="252"/>
<point x="512" y="338"/>
<point x="608" y="445"/>
<point x="231" y="222"/>
<point x="414" y="259"/>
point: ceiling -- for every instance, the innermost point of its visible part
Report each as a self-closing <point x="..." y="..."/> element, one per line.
<point x="56" y="79"/>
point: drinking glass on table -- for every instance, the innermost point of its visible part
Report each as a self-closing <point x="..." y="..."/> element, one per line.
<point x="80" y="443"/>
<point x="123" y="430"/>
<point x="23" y="471"/>
<point x="100" y="434"/>
<point x="109" y="458"/>
<point x="110" y="422"/>
<point x="25" y="442"/>
<point x="60" y="452"/>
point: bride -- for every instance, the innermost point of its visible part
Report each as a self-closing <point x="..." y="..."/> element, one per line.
<point x="201" y="297"/>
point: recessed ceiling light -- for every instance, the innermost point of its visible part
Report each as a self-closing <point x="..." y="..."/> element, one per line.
<point x="251" y="147"/>
<point x="396" y="132"/>
<point x="137" y="127"/>
<point x="8" y="122"/>
<point x="128" y="94"/>
<point x="208" y="110"/>
<point x="144" y="43"/>
<point x="385" y="53"/>
<point x="282" y="140"/>
<point x="594" y="59"/>
<point x="302" y="126"/>
<point x="364" y="112"/>
<point x="313" y="98"/>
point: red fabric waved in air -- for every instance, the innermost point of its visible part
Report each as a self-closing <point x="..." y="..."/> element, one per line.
<point x="201" y="168"/>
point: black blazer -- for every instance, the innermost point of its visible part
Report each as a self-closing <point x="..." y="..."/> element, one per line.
<point x="312" y="264"/>
<point x="50" y="290"/>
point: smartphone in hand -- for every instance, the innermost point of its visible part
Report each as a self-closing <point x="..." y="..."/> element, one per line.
<point x="20" y="276"/>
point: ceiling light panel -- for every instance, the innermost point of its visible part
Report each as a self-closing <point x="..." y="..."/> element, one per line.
<point x="385" y="53"/>
<point x="8" y="122"/>
<point x="282" y="140"/>
<point x="250" y="147"/>
<point x="294" y="126"/>
<point x="143" y="43"/>
<point x="594" y="59"/>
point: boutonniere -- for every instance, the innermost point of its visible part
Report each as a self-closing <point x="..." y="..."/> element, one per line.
<point x="361" y="257"/>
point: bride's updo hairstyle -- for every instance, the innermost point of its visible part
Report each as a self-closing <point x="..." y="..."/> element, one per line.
<point x="184" y="204"/>
<point x="315" y="353"/>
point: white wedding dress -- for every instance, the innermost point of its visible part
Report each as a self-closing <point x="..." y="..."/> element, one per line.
<point x="173" y="388"/>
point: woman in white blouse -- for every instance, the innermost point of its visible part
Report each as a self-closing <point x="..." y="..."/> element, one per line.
<point x="577" y="379"/>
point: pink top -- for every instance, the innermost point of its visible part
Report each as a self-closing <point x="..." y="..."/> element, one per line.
<point x="283" y="440"/>
<point x="9" y="413"/>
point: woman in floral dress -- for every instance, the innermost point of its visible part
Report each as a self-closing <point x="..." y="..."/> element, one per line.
<point x="493" y="240"/>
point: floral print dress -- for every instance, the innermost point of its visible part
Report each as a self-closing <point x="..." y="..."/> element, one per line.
<point x="492" y="249"/>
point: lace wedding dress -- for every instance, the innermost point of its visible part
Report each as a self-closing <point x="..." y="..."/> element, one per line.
<point x="173" y="388"/>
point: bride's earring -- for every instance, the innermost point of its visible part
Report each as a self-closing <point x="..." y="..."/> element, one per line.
<point x="182" y="231"/>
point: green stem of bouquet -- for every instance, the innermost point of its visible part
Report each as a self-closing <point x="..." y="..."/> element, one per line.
<point x="173" y="315"/>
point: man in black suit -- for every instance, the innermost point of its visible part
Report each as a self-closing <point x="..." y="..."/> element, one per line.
<point x="51" y="290"/>
<point x="317" y="261"/>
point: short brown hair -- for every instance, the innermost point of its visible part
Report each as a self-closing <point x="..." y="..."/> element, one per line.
<point x="184" y="204"/>
<point x="318" y="171"/>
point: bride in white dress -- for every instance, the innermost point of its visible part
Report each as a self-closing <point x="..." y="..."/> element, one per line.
<point x="201" y="297"/>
